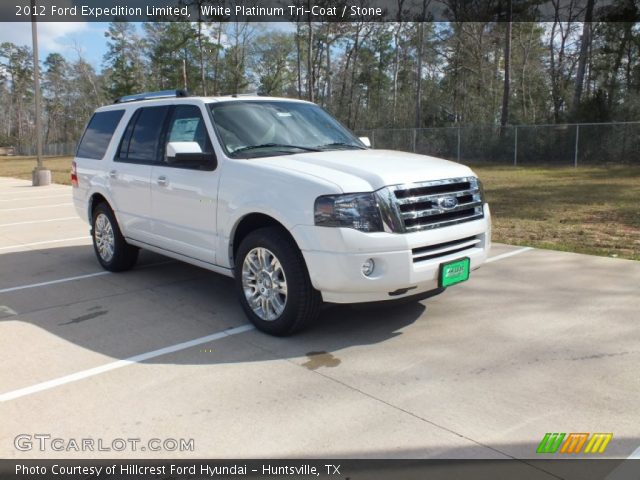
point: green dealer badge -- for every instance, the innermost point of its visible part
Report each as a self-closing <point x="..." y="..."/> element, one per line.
<point x="454" y="272"/>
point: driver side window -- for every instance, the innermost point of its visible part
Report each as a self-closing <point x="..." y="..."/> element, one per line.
<point x="187" y="125"/>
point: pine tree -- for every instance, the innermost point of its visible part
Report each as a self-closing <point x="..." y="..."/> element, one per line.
<point x="123" y="63"/>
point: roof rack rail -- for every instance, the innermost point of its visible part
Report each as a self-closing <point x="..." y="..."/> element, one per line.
<point x="258" y="93"/>
<point x="152" y="95"/>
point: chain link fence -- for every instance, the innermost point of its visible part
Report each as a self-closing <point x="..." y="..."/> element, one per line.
<point x="558" y="144"/>
<point x="48" y="149"/>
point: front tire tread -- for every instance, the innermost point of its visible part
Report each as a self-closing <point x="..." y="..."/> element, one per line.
<point x="303" y="301"/>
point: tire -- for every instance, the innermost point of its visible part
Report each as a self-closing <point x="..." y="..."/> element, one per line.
<point x="274" y="309"/>
<point x="113" y="252"/>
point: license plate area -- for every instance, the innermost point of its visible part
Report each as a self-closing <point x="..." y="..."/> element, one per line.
<point x="454" y="272"/>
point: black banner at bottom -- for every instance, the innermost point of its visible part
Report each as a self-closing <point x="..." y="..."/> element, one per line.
<point x="578" y="469"/>
<point x="570" y="469"/>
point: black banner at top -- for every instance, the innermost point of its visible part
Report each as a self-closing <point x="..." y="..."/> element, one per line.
<point x="317" y="10"/>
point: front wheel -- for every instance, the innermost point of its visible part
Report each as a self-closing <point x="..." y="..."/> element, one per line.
<point x="273" y="283"/>
<point x="112" y="250"/>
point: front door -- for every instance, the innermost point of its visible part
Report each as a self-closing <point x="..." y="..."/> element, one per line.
<point x="183" y="199"/>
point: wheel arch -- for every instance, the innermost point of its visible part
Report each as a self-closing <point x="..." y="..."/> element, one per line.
<point x="249" y="223"/>
<point x="94" y="200"/>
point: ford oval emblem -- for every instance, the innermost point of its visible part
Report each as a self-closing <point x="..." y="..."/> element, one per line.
<point x="447" y="203"/>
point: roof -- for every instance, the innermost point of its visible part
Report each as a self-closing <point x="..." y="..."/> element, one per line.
<point x="183" y="93"/>
<point x="170" y="96"/>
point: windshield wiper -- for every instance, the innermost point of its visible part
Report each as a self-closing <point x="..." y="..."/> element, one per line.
<point x="277" y="145"/>
<point x="340" y="144"/>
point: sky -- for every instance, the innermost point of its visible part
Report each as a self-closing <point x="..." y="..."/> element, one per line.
<point x="66" y="38"/>
<point x="73" y="38"/>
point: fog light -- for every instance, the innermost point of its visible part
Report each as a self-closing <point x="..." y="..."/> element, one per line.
<point x="368" y="266"/>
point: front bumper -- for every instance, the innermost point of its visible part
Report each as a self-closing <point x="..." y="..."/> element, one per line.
<point x="334" y="258"/>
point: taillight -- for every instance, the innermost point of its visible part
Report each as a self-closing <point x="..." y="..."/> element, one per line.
<point x="74" y="174"/>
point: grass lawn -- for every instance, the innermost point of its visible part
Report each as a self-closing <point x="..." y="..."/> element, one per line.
<point x="21" y="167"/>
<point x="587" y="210"/>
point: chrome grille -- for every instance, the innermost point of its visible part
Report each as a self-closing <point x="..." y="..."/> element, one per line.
<point x="439" y="203"/>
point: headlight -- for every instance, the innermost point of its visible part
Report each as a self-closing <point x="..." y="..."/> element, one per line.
<point x="481" y="189"/>
<point x="353" y="210"/>
<point x="479" y="186"/>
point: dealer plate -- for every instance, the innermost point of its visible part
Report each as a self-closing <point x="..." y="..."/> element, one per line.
<point x="454" y="272"/>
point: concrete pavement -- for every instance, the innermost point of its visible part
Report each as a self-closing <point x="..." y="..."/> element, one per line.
<point x="537" y="342"/>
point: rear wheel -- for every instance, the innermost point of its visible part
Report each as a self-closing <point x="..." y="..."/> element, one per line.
<point x="273" y="283"/>
<point x="112" y="250"/>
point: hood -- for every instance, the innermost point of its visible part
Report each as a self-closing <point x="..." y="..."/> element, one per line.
<point x="367" y="170"/>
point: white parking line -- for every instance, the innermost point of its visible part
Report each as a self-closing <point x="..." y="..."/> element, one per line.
<point x="32" y="198"/>
<point x="74" y="377"/>
<point x="6" y="193"/>
<point x="31" y="208"/>
<point x="77" y="277"/>
<point x="45" y="242"/>
<point x="508" y="254"/>
<point x="36" y="191"/>
<point x="39" y="221"/>
<point x="53" y="282"/>
<point x="39" y="387"/>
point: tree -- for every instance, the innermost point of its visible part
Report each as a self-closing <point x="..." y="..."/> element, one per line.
<point x="123" y="63"/>
<point x="370" y="75"/>
<point x="585" y="43"/>
<point x="274" y="64"/>
<point x="234" y="76"/>
<point x="86" y="93"/>
<point x="17" y="64"/>
<point x="506" y="94"/>
<point x="174" y="50"/>
<point x="561" y="57"/>
<point x="56" y="97"/>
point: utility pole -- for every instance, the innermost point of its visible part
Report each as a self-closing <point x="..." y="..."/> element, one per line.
<point x="40" y="175"/>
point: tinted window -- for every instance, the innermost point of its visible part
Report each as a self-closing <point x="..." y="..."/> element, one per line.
<point x="187" y="125"/>
<point x="141" y="140"/>
<point x="97" y="136"/>
<point x="126" y="138"/>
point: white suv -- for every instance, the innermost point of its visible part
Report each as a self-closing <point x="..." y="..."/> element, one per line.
<point x="279" y="195"/>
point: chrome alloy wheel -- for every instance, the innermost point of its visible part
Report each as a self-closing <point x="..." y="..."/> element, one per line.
<point x="264" y="284"/>
<point x="104" y="237"/>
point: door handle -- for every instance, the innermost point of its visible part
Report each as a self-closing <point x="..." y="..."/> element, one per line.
<point x="113" y="174"/>
<point x="162" y="181"/>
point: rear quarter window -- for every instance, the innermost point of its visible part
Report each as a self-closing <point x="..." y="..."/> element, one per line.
<point x="97" y="136"/>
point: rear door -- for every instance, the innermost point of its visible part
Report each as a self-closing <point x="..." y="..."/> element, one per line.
<point x="91" y="164"/>
<point x="183" y="198"/>
<point x="130" y="173"/>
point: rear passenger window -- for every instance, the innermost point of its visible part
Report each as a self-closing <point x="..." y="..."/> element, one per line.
<point x="96" y="138"/>
<point x="141" y="140"/>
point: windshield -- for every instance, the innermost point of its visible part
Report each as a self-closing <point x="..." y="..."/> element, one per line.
<point x="249" y="129"/>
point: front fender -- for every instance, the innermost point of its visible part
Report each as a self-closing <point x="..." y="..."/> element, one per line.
<point x="247" y="187"/>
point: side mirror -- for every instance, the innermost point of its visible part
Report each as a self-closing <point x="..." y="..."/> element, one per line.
<point x="190" y="155"/>
<point x="366" y="141"/>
